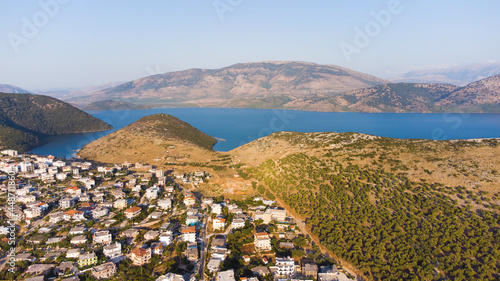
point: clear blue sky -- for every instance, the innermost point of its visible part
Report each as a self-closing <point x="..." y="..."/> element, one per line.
<point x="90" y="42"/>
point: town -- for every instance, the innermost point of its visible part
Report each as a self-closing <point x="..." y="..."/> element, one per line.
<point x="79" y="220"/>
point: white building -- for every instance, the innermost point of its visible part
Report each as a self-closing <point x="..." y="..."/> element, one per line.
<point x="262" y="242"/>
<point x="99" y="212"/>
<point x="285" y="266"/>
<point x="113" y="250"/>
<point x="238" y="223"/>
<point x="73" y="253"/>
<point x="103" y="237"/>
<point x="217" y="209"/>
<point x="165" y="203"/>
<point x="170" y="277"/>
<point x="227" y="275"/>
<point x="166" y="238"/>
<point x="120" y="204"/>
<point x="219" y="223"/>
<point x="189" y="234"/>
<point x="26" y="199"/>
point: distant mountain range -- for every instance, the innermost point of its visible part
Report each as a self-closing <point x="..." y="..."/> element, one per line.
<point x="254" y="85"/>
<point x="295" y="85"/>
<point x="26" y="119"/>
<point x="459" y="75"/>
<point x="6" y="88"/>
<point x="67" y="94"/>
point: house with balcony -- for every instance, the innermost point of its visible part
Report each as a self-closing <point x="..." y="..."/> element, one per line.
<point x="285" y="267"/>
<point x="166" y="237"/>
<point x="113" y="250"/>
<point x="189" y="234"/>
<point x="219" y="223"/>
<point x="73" y="215"/>
<point x="262" y="242"/>
<point x="87" y="259"/>
<point x="140" y="256"/>
<point x="132" y="212"/>
<point x="104" y="271"/>
<point x="102" y="237"/>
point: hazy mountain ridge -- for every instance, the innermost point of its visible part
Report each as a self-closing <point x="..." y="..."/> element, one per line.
<point x="10" y="89"/>
<point x="478" y="97"/>
<point x="237" y="85"/>
<point x="459" y="75"/>
<point x="483" y="96"/>
<point x="25" y="119"/>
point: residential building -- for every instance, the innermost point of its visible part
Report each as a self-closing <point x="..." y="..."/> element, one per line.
<point x="189" y="234"/>
<point x="285" y="266"/>
<point x="113" y="250"/>
<point x="140" y="256"/>
<point x="213" y="265"/>
<point x="328" y="273"/>
<point x="73" y="191"/>
<point x="192" y="252"/>
<point x="130" y="233"/>
<point x="227" y="275"/>
<point x="73" y="215"/>
<point x="78" y="240"/>
<point x="77" y="230"/>
<point x="32" y="213"/>
<point x="102" y="237"/>
<point x="310" y="270"/>
<point x="191" y="220"/>
<point x="99" y="212"/>
<point x="26" y="199"/>
<point x="189" y="200"/>
<point x="65" y="203"/>
<point x="55" y="217"/>
<point x="151" y="235"/>
<point x="238" y="223"/>
<point x="87" y="259"/>
<point x="165" y="204"/>
<point x="104" y="271"/>
<point x="73" y="253"/>
<point x="166" y="237"/>
<point x="262" y="241"/>
<point x="120" y="204"/>
<point x="260" y="271"/>
<point x="157" y="248"/>
<point x="219" y="223"/>
<point x="132" y="212"/>
<point x="217" y="209"/>
<point x="208" y="201"/>
<point x="170" y="277"/>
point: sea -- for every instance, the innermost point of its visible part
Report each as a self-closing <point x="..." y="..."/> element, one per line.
<point x="234" y="127"/>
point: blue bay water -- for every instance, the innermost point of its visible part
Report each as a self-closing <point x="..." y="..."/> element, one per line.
<point x="239" y="126"/>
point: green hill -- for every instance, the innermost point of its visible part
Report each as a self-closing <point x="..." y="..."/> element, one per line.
<point x="25" y="120"/>
<point x="169" y="127"/>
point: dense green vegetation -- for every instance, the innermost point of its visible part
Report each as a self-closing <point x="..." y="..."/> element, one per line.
<point x="168" y="126"/>
<point x="389" y="227"/>
<point x="25" y="119"/>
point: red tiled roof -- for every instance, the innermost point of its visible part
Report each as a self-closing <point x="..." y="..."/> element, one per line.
<point x="132" y="210"/>
<point x="139" y="252"/>
<point x="190" y="229"/>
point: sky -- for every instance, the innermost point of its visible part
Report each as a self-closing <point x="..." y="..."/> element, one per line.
<point x="49" y="44"/>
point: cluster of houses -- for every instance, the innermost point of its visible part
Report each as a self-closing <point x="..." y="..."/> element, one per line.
<point x="90" y="217"/>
